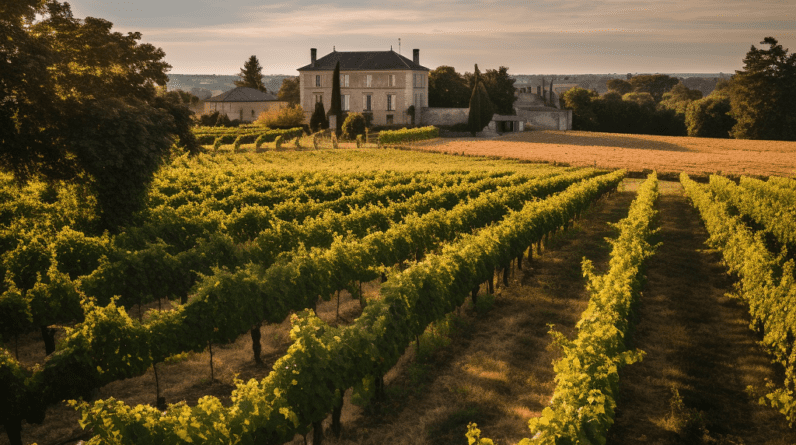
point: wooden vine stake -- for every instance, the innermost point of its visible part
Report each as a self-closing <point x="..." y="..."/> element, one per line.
<point x="160" y="402"/>
<point x="212" y="373"/>
<point x="256" y="346"/>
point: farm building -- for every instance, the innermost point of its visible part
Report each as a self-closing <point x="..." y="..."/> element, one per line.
<point x="243" y="103"/>
<point x="382" y="83"/>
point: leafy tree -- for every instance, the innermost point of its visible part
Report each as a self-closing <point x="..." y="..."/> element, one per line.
<point x="763" y="94"/>
<point x="679" y="97"/>
<point x="290" y="91"/>
<point x="643" y="99"/>
<point x="79" y="104"/>
<point x="710" y="117"/>
<point x="620" y="86"/>
<point x="251" y="75"/>
<point x="336" y="108"/>
<point x="481" y="108"/>
<point x="654" y="84"/>
<point x="318" y="119"/>
<point x="447" y="88"/>
<point x="500" y="87"/>
<point x="579" y="100"/>
<point x="354" y="125"/>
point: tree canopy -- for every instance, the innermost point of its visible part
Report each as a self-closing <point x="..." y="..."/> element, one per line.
<point x="336" y="107"/>
<point x="763" y="94"/>
<point x="80" y="104"/>
<point x="290" y="91"/>
<point x="500" y="88"/>
<point x="251" y="75"/>
<point x="447" y="88"/>
<point x="619" y="86"/>
<point x="481" y="108"/>
<point x="655" y="84"/>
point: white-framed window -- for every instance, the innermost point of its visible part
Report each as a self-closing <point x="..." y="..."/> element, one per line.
<point x="391" y="99"/>
<point x="415" y="82"/>
<point x="368" y="80"/>
<point x="367" y="102"/>
<point x="345" y="101"/>
<point x="317" y="80"/>
<point x="391" y="80"/>
<point x="344" y="80"/>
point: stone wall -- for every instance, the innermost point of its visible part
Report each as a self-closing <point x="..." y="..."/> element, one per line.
<point x="443" y="116"/>
<point x="547" y="120"/>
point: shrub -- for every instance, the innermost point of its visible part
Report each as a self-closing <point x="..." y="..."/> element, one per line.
<point x="354" y="125"/>
<point x="278" y="142"/>
<point x="318" y="120"/>
<point x="285" y="117"/>
<point x="217" y="143"/>
<point x="236" y="144"/>
<point x="406" y="135"/>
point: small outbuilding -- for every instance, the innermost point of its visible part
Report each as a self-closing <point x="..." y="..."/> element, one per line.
<point x="243" y="103"/>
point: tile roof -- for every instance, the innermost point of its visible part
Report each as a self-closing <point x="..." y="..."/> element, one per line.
<point x="363" y="60"/>
<point x="243" y="94"/>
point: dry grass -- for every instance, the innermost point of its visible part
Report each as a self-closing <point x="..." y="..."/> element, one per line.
<point x="666" y="154"/>
<point x="698" y="342"/>
<point x="498" y="370"/>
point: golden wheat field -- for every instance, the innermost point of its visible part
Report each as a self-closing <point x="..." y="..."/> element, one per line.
<point x="666" y="154"/>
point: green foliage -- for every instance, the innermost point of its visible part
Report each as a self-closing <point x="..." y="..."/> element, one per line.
<point x="282" y="117"/>
<point x="236" y="144"/>
<point x="654" y="84"/>
<point x="83" y="113"/>
<point x="353" y="126"/>
<point x="290" y="91"/>
<point x="447" y="88"/>
<point x="408" y="135"/>
<point x="500" y="89"/>
<point x="318" y="120"/>
<point x="323" y="361"/>
<point x="679" y="98"/>
<point x="251" y="75"/>
<point x="579" y="100"/>
<point x="481" y="108"/>
<point x="762" y="94"/>
<point x="336" y="107"/>
<point x="587" y="377"/>
<point x="642" y="99"/>
<point x="710" y="117"/>
<point x="766" y="281"/>
<point x="278" y="142"/>
<point x="619" y="86"/>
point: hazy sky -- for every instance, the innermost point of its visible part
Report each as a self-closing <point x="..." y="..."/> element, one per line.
<point x="529" y="37"/>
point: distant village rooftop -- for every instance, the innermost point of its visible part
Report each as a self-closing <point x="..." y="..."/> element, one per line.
<point x="243" y="94"/>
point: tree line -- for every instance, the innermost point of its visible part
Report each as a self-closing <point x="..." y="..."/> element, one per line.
<point x="755" y="103"/>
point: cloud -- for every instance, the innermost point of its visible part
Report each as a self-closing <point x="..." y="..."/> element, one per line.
<point x="591" y="35"/>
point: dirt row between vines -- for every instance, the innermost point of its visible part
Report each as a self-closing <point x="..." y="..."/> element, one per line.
<point x="497" y="370"/>
<point x="691" y="387"/>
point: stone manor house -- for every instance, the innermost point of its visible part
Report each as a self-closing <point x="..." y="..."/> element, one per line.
<point x="383" y="83"/>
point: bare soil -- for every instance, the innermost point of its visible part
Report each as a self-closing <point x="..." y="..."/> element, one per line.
<point x="497" y="370"/>
<point x="697" y="341"/>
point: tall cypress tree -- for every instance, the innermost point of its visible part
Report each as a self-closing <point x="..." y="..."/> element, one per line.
<point x="251" y="75"/>
<point x="481" y="108"/>
<point x="336" y="108"/>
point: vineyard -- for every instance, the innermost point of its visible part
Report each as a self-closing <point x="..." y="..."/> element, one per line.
<point x="240" y="248"/>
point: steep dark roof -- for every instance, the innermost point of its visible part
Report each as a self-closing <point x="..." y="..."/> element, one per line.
<point x="363" y="60"/>
<point x="243" y="94"/>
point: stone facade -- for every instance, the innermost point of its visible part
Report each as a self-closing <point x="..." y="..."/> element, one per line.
<point x="547" y="119"/>
<point x="243" y="103"/>
<point x="244" y="111"/>
<point x="382" y="83"/>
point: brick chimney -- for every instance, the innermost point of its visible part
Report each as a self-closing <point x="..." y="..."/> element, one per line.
<point x="313" y="56"/>
<point x="416" y="56"/>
